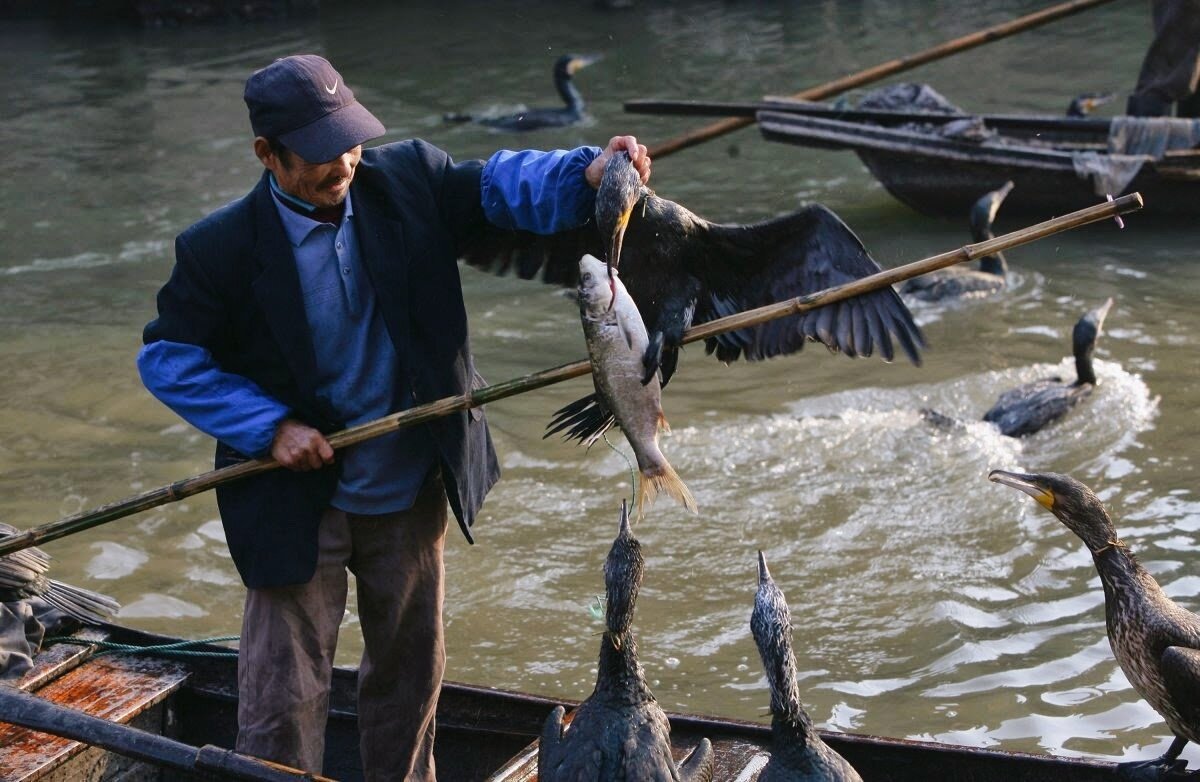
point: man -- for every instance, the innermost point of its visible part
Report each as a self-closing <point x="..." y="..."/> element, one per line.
<point x="1170" y="71"/>
<point x="328" y="296"/>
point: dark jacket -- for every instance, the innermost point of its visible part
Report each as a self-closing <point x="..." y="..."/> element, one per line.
<point x="235" y="291"/>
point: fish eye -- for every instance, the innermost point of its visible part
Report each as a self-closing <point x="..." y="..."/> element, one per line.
<point x="587" y="276"/>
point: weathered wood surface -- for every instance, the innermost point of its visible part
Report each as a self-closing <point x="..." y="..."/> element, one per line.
<point x="116" y="688"/>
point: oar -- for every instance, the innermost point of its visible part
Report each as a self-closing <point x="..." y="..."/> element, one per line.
<point x="427" y="412"/>
<point x="883" y="70"/>
<point x="29" y="711"/>
<point x="699" y="108"/>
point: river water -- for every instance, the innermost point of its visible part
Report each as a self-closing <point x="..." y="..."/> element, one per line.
<point x="927" y="602"/>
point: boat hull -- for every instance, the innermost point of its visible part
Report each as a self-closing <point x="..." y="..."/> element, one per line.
<point x="483" y="733"/>
<point x="940" y="176"/>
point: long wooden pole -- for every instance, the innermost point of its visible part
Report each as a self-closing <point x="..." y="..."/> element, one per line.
<point x="427" y="412"/>
<point x="883" y="70"/>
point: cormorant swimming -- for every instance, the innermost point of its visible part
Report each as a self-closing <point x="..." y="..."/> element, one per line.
<point x="1082" y="105"/>
<point x="681" y="269"/>
<point x="957" y="281"/>
<point x="564" y="68"/>
<point x="620" y="732"/>
<point x="1028" y="408"/>
<point x="797" y="752"/>
<point x="23" y="576"/>
<point x="1155" y="640"/>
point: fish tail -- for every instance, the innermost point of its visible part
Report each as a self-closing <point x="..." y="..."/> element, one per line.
<point x="662" y="479"/>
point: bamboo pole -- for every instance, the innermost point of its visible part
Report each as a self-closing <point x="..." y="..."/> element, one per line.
<point x="883" y="70"/>
<point x="429" y="411"/>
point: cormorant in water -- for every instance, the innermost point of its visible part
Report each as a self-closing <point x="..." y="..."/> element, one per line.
<point x="619" y="732"/>
<point x="1028" y="408"/>
<point x="797" y="752"/>
<point x="23" y="576"/>
<point x="564" y="68"/>
<point x="957" y="281"/>
<point x="1082" y="105"/>
<point x="1155" y="640"/>
<point x="681" y="269"/>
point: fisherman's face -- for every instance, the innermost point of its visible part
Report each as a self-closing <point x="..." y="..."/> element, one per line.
<point x="320" y="184"/>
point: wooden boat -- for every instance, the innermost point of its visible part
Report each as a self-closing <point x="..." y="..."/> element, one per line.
<point x="936" y="174"/>
<point x="483" y="733"/>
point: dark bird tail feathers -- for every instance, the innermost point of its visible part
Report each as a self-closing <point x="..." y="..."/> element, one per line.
<point x="585" y="420"/>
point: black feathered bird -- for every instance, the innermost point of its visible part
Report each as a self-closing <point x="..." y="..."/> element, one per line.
<point x="958" y="281"/>
<point x="1030" y="407"/>
<point x="564" y="68"/>
<point x="798" y="754"/>
<point x="681" y="269"/>
<point x="23" y="576"/>
<point x="1155" y="640"/>
<point x="620" y="732"/>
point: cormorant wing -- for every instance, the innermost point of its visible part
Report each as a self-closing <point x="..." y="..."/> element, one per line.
<point x="1181" y="674"/>
<point x="552" y="258"/>
<point x="794" y="255"/>
<point x="550" y="745"/>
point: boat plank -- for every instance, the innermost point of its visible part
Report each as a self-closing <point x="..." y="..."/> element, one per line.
<point x="119" y="689"/>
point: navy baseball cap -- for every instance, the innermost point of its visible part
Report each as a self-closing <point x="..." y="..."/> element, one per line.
<point x="302" y="101"/>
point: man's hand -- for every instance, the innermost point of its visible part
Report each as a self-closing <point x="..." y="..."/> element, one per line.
<point x="637" y="154"/>
<point x="299" y="447"/>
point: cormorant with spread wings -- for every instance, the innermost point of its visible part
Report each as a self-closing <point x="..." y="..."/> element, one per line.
<point x="681" y="269"/>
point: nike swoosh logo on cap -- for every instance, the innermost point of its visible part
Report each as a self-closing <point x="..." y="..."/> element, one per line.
<point x="332" y="90"/>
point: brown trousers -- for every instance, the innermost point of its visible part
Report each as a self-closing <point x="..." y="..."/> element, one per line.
<point x="289" y="635"/>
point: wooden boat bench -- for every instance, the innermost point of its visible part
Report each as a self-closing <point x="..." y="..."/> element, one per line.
<point x="128" y="689"/>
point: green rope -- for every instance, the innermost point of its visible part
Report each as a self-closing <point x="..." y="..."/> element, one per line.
<point x="632" y="472"/>
<point x="177" y="649"/>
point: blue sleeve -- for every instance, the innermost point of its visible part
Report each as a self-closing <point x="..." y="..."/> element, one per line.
<point x="542" y="192"/>
<point x="229" y="407"/>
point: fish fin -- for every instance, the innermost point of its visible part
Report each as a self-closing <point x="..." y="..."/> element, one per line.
<point x="585" y="420"/>
<point x="662" y="424"/>
<point x="663" y="479"/>
<point x="626" y="332"/>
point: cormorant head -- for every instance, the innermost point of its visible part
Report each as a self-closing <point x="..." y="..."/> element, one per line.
<point x="622" y="577"/>
<point x="983" y="212"/>
<point x="1082" y="105"/>
<point x="620" y="190"/>
<point x="771" y="626"/>
<point x="570" y="64"/>
<point x="1073" y="503"/>
<point x="1083" y="341"/>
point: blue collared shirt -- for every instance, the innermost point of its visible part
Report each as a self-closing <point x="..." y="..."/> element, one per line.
<point x="359" y="371"/>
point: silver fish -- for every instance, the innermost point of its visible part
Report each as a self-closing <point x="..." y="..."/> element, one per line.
<point x="616" y="341"/>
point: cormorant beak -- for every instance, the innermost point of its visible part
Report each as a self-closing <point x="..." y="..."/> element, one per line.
<point x="1026" y="483"/>
<point x="763" y="573"/>
<point x="581" y="62"/>
<point x="614" y="249"/>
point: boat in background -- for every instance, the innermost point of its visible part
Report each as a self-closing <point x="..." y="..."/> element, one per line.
<point x="483" y="733"/>
<point x="941" y="163"/>
<point x="944" y="176"/>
